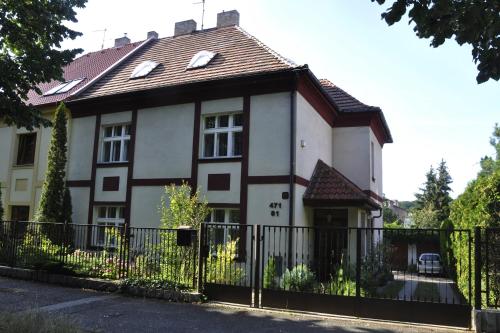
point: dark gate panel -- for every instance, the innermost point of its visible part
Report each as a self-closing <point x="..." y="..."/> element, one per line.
<point x="363" y="272"/>
<point x="227" y="262"/>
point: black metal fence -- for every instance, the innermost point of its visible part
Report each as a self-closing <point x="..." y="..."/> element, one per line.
<point x="398" y="264"/>
<point x="488" y="262"/>
<point x="166" y="256"/>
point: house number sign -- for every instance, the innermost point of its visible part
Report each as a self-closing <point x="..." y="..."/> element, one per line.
<point x="275" y="208"/>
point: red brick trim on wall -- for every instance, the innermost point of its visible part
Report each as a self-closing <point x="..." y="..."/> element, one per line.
<point x="314" y="97"/>
<point x="112" y="165"/>
<point x="97" y="130"/>
<point x="220" y="160"/>
<point x="78" y="183"/>
<point x="223" y="205"/>
<point x="244" y="162"/>
<point x="283" y="179"/>
<point x="130" y="171"/>
<point x="111" y="203"/>
<point x="160" y="181"/>
<point x="110" y="183"/>
<point x="218" y="182"/>
<point x="196" y="146"/>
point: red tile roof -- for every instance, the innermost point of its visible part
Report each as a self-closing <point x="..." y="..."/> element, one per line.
<point x="238" y="54"/>
<point x="87" y="66"/>
<point x="344" y="101"/>
<point x="330" y="187"/>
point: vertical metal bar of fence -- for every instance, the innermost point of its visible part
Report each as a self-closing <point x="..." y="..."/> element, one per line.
<point x="14" y="244"/>
<point x="487" y="264"/>
<point x="194" y="246"/>
<point x="477" y="268"/>
<point x="469" y="266"/>
<point x="201" y="254"/>
<point x="256" y="240"/>
<point x="358" y="262"/>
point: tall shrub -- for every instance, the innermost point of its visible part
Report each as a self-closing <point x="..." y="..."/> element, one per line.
<point x="53" y="204"/>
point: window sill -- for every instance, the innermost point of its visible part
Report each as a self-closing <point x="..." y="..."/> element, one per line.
<point x="112" y="164"/>
<point x="219" y="159"/>
<point x="23" y="166"/>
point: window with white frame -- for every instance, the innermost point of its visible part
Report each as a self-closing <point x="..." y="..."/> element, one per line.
<point x="223" y="135"/>
<point x="221" y="233"/>
<point x="109" y="219"/>
<point x="115" y="143"/>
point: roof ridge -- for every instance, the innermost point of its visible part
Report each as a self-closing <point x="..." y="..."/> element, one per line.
<point x="275" y="54"/>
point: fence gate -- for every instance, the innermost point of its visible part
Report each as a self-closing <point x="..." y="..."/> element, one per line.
<point x="405" y="275"/>
<point x="227" y="262"/>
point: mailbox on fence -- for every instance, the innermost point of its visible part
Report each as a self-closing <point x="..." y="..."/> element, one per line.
<point x="185" y="235"/>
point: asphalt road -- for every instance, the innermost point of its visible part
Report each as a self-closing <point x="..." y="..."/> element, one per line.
<point x="102" y="312"/>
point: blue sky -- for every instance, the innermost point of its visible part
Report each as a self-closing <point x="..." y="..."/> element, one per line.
<point x="429" y="96"/>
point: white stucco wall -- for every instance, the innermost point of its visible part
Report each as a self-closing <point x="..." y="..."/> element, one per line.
<point x="164" y="141"/>
<point x="222" y="105"/>
<point x="376" y="185"/>
<point x="317" y="136"/>
<point x="259" y="198"/>
<point x="81" y="144"/>
<point x="80" y="199"/>
<point x="44" y="135"/>
<point x="351" y="154"/>
<point x="119" y="195"/>
<point x="304" y="215"/>
<point x="6" y="152"/>
<point x="269" y="135"/>
<point x="231" y="196"/>
<point x="144" y="208"/>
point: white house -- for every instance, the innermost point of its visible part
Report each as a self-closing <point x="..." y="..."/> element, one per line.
<point x="263" y="138"/>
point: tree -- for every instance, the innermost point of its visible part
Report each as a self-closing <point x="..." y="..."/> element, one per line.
<point x="390" y="217"/>
<point x="443" y="199"/>
<point x="425" y="217"/>
<point x="472" y="22"/>
<point x="428" y="192"/>
<point x="55" y="196"/>
<point x="30" y="34"/>
<point x="488" y="163"/>
<point x="183" y="208"/>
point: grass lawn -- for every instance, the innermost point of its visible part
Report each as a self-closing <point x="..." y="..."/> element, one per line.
<point x="391" y="290"/>
<point x="426" y="291"/>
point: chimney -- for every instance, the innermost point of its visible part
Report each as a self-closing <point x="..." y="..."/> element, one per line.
<point x="122" y="41"/>
<point x="226" y="19"/>
<point x="184" y="27"/>
<point x="152" y="34"/>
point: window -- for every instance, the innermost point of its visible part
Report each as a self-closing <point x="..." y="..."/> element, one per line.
<point x="26" y="149"/>
<point x="19" y="213"/>
<point x="201" y="59"/>
<point x="223" y="135"/>
<point x="63" y="87"/>
<point x="109" y="219"/>
<point x="115" y="143"/>
<point x="222" y="233"/>
<point x="143" y="69"/>
<point x="372" y="153"/>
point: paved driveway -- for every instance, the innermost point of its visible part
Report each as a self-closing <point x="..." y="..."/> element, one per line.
<point x="101" y="312"/>
<point x="444" y="286"/>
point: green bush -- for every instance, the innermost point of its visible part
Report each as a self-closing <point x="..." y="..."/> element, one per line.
<point x="222" y="266"/>
<point x="376" y="269"/>
<point x="300" y="278"/>
<point x="270" y="274"/>
<point x="342" y="282"/>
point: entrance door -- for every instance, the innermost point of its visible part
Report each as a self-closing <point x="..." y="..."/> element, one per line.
<point x="330" y="241"/>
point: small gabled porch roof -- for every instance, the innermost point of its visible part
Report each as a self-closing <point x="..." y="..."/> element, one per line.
<point x="329" y="187"/>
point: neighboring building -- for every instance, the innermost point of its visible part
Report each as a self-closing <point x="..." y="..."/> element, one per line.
<point x="266" y="142"/>
<point x="401" y="213"/>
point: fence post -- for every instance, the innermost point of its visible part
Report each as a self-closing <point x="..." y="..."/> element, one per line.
<point x="201" y="244"/>
<point x="477" y="268"/>
<point x="14" y="244"/>
<point x="358" y="262"/>
<point x="256" y="233"/>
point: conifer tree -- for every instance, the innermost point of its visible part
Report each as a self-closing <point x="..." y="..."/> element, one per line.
<point x="443" y="199"/>
<point x="428" y="192"/>
<point x="55" y="196"/>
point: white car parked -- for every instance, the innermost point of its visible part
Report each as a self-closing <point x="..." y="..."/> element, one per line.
<point x="429" y="263"/>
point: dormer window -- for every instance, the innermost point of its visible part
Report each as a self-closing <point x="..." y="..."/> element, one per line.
<point x="201" y="59"/>
<point x="63" y="87"/>
<point x="143" y="69"/>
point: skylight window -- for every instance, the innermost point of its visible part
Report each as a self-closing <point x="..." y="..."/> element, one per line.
<point x="201" y="59"/>
<point x="63" y="87"/>
<point x="143" y="69"/>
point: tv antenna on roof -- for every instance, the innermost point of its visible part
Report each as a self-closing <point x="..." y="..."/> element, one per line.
<point x="103" y="36"/>
<point x="202" y="2"/>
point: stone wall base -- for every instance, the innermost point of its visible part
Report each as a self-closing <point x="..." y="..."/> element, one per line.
<point x="487" y="321"/>
<point x="98" y="284"/>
